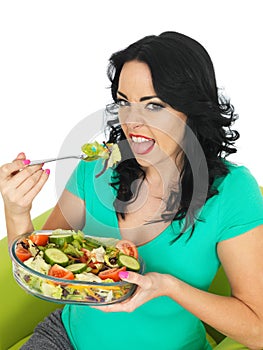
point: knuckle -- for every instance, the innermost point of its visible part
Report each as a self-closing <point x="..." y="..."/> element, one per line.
<point x="4" y="170"/>
<point x="148" y="283"/>
<point x="31" y="170"/>
<point x="27" y="171"/>
<point x="33" y="178"/>
<point x="31" y="181"/>
<point x="4" y="191"/>
<point x="7" y="192"/>
<point x="129" y="309"/>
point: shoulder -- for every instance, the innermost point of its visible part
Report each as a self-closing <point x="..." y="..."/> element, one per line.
<point x="238" y="179"/>
<point x="240" y="202"/>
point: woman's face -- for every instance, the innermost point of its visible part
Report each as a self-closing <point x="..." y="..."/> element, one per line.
<point x="153" y="129"/>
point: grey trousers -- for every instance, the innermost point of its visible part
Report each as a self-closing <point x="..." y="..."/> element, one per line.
<point x="49" y="335"/>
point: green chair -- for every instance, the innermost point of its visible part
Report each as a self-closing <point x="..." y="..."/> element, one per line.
<point x="21" y="312"/>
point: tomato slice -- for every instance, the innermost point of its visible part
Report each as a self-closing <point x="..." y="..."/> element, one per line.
<point x="39" y="239"/>
<point x="22" y="253"/>
<point x="60" y="272"/>
<point x="127" y="247"/>
<point x="111" y="273"/>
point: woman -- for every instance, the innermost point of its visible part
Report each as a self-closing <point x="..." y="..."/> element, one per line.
<point x="174" y="195"/>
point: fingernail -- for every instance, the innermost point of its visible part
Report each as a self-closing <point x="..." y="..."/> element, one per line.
<point x="123" y="274"/>
<point x="47" y="171"/>
<point x="26" y="161"/>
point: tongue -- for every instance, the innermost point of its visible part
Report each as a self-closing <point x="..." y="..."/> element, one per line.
<point x="142" y="147"/>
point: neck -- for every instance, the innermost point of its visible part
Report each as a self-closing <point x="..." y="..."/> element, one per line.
<point x="163" y="176"/>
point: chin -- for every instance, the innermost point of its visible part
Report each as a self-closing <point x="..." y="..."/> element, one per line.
<point x="147" y="162"/>
<point x="143" y="163"/>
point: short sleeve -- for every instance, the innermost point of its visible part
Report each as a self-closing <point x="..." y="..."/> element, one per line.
<point x="240" y="204"/>
<point x="80" y="178"/>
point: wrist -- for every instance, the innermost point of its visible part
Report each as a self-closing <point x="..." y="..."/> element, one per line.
<point x="17" y="225"/>
<point x="170" y="285"/>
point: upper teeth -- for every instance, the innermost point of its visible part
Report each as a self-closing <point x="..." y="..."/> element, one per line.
<point x="139" y="139"/>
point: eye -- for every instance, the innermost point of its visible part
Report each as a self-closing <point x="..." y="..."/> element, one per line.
<point x="122" y="103"/>
<point x="153" y="106"/>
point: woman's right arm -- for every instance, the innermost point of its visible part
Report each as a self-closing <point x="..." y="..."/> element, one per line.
<point x="19" y="185"/>
<point x="68" y="213"/>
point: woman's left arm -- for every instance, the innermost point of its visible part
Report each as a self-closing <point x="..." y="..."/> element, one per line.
<point x="239" y="316"/>
<point x="242" y="260"/>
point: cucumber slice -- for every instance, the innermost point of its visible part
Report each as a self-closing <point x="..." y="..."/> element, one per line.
<point x="55" y="256"/>
<point x="129" y="261"/>
<point x="61" y="239"/>
<point x="77" y="268"/>
<point x="92" y="242"/>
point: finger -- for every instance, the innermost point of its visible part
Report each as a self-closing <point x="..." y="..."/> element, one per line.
<point x="39" y="185"/>
<point x="9" y="169"/>
<point x="21" y="155"/>
<point x="127" y="305"/>
<point x="12" y="185"/>
<point x="142" y="281"/>
<point x="18" y="164"/>
<point x="15" y="178"/>
<point x="110" y="308"/>
<point x="32" y="181"/>
<point x="31" y="187"/>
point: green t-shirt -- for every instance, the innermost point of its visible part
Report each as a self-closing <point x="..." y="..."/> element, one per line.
<point x="161" y="323"/>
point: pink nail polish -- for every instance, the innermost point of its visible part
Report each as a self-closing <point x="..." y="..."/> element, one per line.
<point x="26" y="161"/>
<point x="47" y="171"/>
<point x="123" y="274"/>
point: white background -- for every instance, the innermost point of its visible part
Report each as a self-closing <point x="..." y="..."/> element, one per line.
<point x="53" y="62"/>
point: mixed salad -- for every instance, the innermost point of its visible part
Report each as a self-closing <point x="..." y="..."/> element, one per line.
<point x="68" y="266"/>
<point x="109" y="152"/>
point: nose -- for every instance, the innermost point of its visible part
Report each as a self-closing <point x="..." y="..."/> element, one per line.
<point x="131" y="116"/>
<point x="134" y="125"/>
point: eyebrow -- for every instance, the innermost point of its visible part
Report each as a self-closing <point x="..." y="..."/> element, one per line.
<point x="144" y="98"/>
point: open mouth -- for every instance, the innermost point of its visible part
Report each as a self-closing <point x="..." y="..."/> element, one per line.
<point x="141" y="144"/>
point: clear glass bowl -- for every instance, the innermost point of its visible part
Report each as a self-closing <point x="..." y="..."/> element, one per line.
<point x="69" y="291"/>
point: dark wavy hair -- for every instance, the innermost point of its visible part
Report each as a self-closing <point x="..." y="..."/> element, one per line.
<point x="183" y="76"/>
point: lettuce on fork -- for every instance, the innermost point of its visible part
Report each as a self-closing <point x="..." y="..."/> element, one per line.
<point x="108" y="152"/>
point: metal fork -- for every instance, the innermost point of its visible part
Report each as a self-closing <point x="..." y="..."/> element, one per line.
<point x="42" y="161"/>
